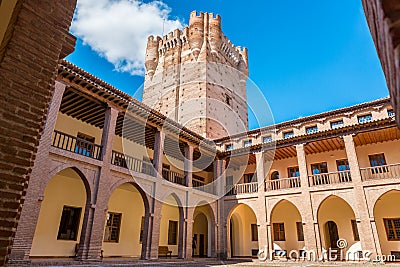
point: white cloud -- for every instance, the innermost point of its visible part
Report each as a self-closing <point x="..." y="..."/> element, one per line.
<point x="118" y="29"/>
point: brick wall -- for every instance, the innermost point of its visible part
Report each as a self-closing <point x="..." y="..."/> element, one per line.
<point x="36" y="38"/>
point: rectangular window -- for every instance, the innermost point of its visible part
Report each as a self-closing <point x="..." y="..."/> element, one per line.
<point x="254" y="232"/>
<point x="113" y="226"/>
<point x="300" y="232"/>
<point x="69" y="224"/>
<point x="228" y="100"/>
<point x="84" y="145"/>
<point x="318" y="168"/>
<point x="392" y="227"/>
<point x="267" y="139"/>
<point x="293" y="171"/>
<point x="248" y="178"/>
<point x="342" y="165"/>
<point x="247" y="143"/>
<point x="377" y="160"/>
<point x="172" y="232"/>
<point x="365" y="118"/>
<point x="228" y="147"/>
<point x="141" y="230"/>
<point x="355" y="230"/>
<point x="337" y="124"/>
<point x="312" y="129"/>
<point x="390" y="113"/>
<point x="279" y="231"/>
<point x="287" y="135"/>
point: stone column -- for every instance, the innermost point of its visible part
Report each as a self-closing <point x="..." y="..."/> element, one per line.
<point x="306" y="209"/>
<point x="38" y="182"/>
<point x="155" y="218"/>
<point x="261" y="207"/>
<point x="188" y="165"/>
<point x="221" y="223"/>
<point x="91" y="241"/>
<point x="363" y="224"/>
<point x="189" y="220"/>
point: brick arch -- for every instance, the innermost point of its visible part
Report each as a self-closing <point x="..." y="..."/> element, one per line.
<point x="146" y="202"/>
<point x="211" y="217"/>
<point x="145" y="197"/>
<point x="78" y="171"/>
<point x="345" y="198"/>
<point x="232" y="210"/>
<point x="378" y="196"/>
<point x="278" y="203"/>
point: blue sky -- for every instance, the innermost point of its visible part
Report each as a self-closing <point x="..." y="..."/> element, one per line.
<point x="306" y="56"/>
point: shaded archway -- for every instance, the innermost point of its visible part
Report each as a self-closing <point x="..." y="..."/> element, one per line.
<point x="61" y="215"/>
<point x="336" y="220"/>
<point x="172" y="225"/>
<point x="203" y="233"/>
<point x="126" y="225"/>
<point x="242" y="232"/>
<point x="387" y="220"/>
<point x="286" y="228"/>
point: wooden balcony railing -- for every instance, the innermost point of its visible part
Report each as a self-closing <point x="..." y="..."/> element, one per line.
<point x="76" y="145"/>
<point x="173" y="177"/>
<point x="131" y="163"/>
<point x="283" y="183"/>
<point x="201" y="186"/>
<point x="381" y="172"/>
<point x="329" y="178"/>
<point x="245" y="188"/>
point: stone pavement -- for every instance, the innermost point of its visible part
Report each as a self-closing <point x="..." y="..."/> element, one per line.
<point x="198" y="263"/>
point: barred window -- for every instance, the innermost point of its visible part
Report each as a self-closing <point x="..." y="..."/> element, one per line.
<point x="113" y="226"/>
<point x="392" y="227"/>
<point x="279" y="231"/>
<point x="69" y="223"/>
<point x="172" y="232"/>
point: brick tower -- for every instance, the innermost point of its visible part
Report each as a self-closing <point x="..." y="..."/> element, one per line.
<point x="198" y="78"/>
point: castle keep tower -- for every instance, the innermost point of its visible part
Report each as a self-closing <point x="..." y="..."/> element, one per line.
<point x="198" y="78"/>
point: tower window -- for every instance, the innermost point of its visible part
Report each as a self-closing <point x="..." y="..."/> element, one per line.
<point x="228" y="100"/>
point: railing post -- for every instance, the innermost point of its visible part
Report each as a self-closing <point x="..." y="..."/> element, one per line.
<point x="366" y="231"/>
<point x="188" y="165"/>
<point x="306" y="207"/>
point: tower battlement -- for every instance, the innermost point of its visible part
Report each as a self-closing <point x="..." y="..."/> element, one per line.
<point x="199" y="64"/>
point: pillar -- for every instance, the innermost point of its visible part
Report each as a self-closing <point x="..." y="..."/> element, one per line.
<point x="155" y="217"/>
<point x="364" y="223"/>
<point x="188" y="165"/>
<point x="38" y="182"/>
<point x="91" y="241"/>
<point x="308" y="217"/>
<point x="261" y="207"/>
<point x="189" y="220"/>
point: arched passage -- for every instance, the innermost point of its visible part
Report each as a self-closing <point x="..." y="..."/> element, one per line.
<point x="61" y="215"/>
<point x="203" y="232"/>
<point x="242" y="232"/>
<point x="171" y="225"/>
<point x="336" y="221"/>
<point x="387" y="219"/>
<point x="287" y="227"/>
<point x="125" y="226"/>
